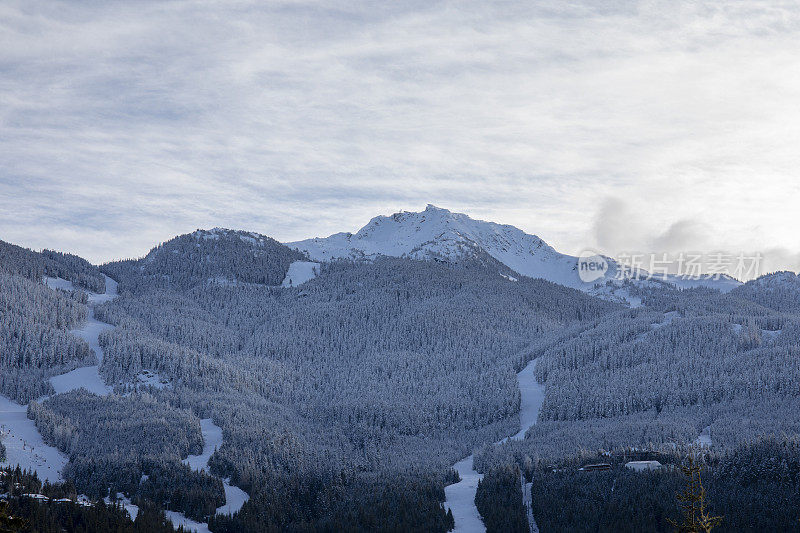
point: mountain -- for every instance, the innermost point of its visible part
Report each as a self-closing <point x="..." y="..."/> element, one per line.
<point x="779" y="291"/>
<point x="439" y="234"/>
<point x="217" y="255"/>
<point x="20" y="261"/>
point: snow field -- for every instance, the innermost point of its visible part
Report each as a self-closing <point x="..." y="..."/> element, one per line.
<point x="299" y="272"/>
<point x="24" y="445"/>
<point x="460" y="497"/>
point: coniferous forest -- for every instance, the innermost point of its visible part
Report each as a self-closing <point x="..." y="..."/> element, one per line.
<point x="344" y="401"/>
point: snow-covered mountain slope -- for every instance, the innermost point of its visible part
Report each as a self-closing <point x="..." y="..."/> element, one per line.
<point x="779" y="291"/>
<point x="437" y="233"/>
<point x="209" y="256"/>
<point x="440" y="234"/>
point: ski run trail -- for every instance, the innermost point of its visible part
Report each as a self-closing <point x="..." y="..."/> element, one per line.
<point x="24" y="444"/>
<point x="460" y="497"/>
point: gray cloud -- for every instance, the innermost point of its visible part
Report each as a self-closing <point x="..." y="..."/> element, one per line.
<point x="124" y="123"/>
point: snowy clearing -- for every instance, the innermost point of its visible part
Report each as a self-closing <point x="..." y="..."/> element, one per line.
<point x="188" y="524"/>
<point x="58" y="283"/>
<point x="212" y="440"/>
<point x="299" y="272"/>
<point x="528" y="503"/>
<point x="132" y="509"/>
<point x="704" y="439"/>
<point x="24" y="445"/>
<point x="532" y="396"/>
<point x="460" y="497"/>
<point x="234" y="498"/>
<point x="149" y="378"/>
<point x="88" y="377"/>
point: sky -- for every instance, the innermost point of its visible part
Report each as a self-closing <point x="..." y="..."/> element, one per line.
<point x="650" y="126"/>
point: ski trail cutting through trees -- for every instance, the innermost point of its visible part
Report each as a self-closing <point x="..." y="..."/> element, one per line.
<point x="88" y="377"/>
<point x="24" y="444"/>
<point x="460" y="497"/>
<point x="212" y="440"/>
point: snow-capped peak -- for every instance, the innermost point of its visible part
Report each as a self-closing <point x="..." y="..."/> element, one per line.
<point x="441" y="234"/>
<point x="437" y="233"/>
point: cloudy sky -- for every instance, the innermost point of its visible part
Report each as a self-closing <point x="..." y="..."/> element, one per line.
<point x="617" y="125"/>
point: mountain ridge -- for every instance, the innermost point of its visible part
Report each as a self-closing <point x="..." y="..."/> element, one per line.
<point x="437" y="233"/>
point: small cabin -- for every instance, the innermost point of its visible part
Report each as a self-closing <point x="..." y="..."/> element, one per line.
<point x="641" y="466"/>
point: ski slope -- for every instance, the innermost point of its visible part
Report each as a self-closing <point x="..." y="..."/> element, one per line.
<point x="24" y="444"/>
<point x="299" y="272"/>
<point x="87" y="377"/>
<point x="178" y="520"/>
<point x="460" y="497"/>
<point x="212" y="440"/>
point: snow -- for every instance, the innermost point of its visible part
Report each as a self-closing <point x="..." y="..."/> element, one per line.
<point x="722" y="283"/>
<point x="668" y="318"/>
<point x="88" y="377"/>
<point x="234" y="498"/>
<point x="439" y="233"/>
<point x="527" y="501"/>
<point x="460" y="497"/>
<point x="643" y="466"/>
<point x="532" y="396"/>
<point x="188" y="524"/>
<point x="24" y="445"/>
<point x="132" y="509"/>
<point x="212" y="440"/>
<point x="58" y="283"/>
<point x="299" y="272"/>
<point x="704" y="439"/>
<point x="110" y="294"/>
<point x="149" y="378"/>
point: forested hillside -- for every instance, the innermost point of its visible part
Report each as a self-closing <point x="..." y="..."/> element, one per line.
<point x="655" y="378"/>
<point x="391" y="369"/>
<point x="343" y="401"/>
<point x="30" y="505"/>
<point x="779" y="291"/>
<point x="34" y="320"/>
<point x="218" y="255"/>
<point x="36" y="265"/>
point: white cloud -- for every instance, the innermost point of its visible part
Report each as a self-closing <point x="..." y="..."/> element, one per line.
<point x="124" y="123"/>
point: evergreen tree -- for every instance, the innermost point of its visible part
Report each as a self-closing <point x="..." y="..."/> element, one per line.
<point x="695" y="516"/>
<point x="9" y="523"/>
